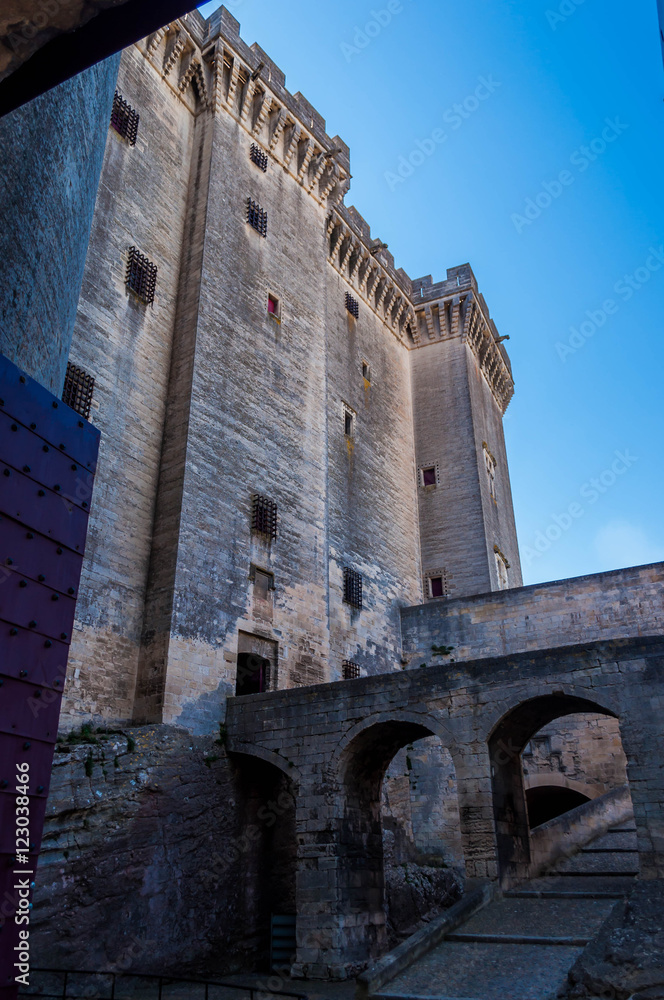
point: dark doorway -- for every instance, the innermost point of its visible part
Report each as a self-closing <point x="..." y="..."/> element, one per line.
<point x="546" y="802"/>
<point x="253" y="674"/>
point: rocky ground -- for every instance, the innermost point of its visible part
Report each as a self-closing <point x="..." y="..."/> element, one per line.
<point x="626" y="959"/>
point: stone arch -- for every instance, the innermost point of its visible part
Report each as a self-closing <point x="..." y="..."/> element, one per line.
<point x="360" y="763"/>
<point x="560" y="781"/>
<point x="265" y="873"/>
<point x="268" y="756"/>
<point x="506" y="742"/>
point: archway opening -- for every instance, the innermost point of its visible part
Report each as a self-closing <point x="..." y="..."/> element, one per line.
<point x="423" y="860"/>
<point x="266" y="863"/>
<point x="362" y="836"/>
<point x="547" y="802"/>
<point x="549" y="755"/>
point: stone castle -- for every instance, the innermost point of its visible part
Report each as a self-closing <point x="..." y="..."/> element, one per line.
<point x="285" y="369"/>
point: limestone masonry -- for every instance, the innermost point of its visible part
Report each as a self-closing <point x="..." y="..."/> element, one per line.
<point x="285" y="369"/>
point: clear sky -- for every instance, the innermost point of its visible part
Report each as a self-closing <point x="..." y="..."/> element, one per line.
<point x="547" y="177"/>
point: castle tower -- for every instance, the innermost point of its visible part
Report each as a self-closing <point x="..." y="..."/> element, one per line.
<point x="461" y="386"/>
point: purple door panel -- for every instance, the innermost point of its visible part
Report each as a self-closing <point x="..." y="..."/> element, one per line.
<point x="48" y="455"/>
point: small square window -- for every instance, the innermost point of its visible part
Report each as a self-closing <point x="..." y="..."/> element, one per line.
<point x="78" y="389"/>
<point x="258" y="157"/>
<point x="352" y="305"/>
<point x="124" y="119"/>
<point x="353" y="588"/>
<point x="141" y="276"/>
<point x="257" y="217"/>
<point x="351" y="670"/>
<point x="263" y="515"/>
<point x="263" y="583"/>
<point x="436" y="584"/>
<point x="429" y="476"/>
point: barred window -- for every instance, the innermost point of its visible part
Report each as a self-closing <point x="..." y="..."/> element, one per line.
<point x="77" y="391"/>
<point x="351" y="670"/>
<point x="264" y="515"/>
<point x="258" y="156"/>
<point x="352" y="305"/>
<point x="124" y="119"/>
<point x="353" y="588"/>
<point x="257" y="217"/>
<point x="141" y="276"/>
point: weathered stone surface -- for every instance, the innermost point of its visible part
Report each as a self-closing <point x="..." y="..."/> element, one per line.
<point x="142" y="858"/>
<point x="415" y="894"/>
<point x="626" y="957"/>
<point x="47" y="198"/>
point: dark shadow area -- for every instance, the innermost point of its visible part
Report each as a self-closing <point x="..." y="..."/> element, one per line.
<point x="546" y="802"/>
<point x="267" y="863"/>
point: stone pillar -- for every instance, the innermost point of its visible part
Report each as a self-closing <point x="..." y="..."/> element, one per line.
<point x="476" y="813"/>
<point x="643" y="742"/>
<point x="52" y="153"/>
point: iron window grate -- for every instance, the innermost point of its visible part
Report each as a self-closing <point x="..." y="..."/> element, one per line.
<point x="77" y="391"/>
<point x="258" y="156"/>
<point x="352" y="305"/>
<point x="353" y="588"/>
<point x="141" y="276"/>
<point x="351" y="670"/>
<point x="257" y="217"/>
<point x="124" y="119"/>
<point x="264" y="515"/>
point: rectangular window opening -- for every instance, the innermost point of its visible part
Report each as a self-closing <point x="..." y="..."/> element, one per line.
<point x="263" y="515"/>
<point x="258" y="156"/>
<point x="352" y="588"/>
<point x="351" y="670"/>
<point x="257" y="217"/>
<point x="274" y="306"/>
<point x="78" y="389"/>
<point x="348" y="423"/>
<point x="429" y="476"/>
<point x="366" y="372"/>
<point x="124" y="119"/>
<point x="352" y="305"/>
<point x="141" y="276"/>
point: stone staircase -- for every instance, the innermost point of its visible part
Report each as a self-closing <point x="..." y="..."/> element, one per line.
<point x="522" y="945"/>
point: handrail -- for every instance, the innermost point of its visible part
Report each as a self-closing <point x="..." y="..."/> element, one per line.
<point x="254" y="991"/>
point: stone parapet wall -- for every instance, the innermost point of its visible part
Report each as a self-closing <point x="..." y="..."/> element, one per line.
<point x="619" y="604"/>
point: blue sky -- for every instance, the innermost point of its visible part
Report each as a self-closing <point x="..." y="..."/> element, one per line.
<point x="548" y="179"/>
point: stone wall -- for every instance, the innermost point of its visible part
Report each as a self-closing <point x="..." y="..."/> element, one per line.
<point x="580" y="752"/>
<point x="150" y="858"/>
<point x="621" y="603"/>
<point x="52" y="154"/>
<point x="126" y="346"/>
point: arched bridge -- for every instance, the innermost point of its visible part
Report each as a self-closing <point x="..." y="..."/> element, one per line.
<point x="335" y="741"/>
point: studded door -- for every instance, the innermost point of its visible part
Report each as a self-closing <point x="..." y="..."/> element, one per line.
<point x="48" y="456"/>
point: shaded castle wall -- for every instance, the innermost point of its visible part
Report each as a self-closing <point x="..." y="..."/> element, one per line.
<point x="52" y="154"/>
<point x="126" y="346"/>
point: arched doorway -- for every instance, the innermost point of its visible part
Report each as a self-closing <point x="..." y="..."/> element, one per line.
<point x="364" y="762"/>
<point x="507" y="742"/>
<point x="267" y="862"/>
<point x="423" y="858"/>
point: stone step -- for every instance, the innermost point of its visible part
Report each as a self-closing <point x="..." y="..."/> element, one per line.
<point x="553" y="920"/>
<point x="603" y="863"/>
<point x="617" y="840"/>
<point x="611" y="886"/>
<point x="495" y="971"/>
<point x="566" y="942"/>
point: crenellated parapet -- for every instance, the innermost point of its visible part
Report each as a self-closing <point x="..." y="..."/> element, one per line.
<point x="369" y="269"/>
<point x="212" y="70"/>
<point x="454" y="308"/>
